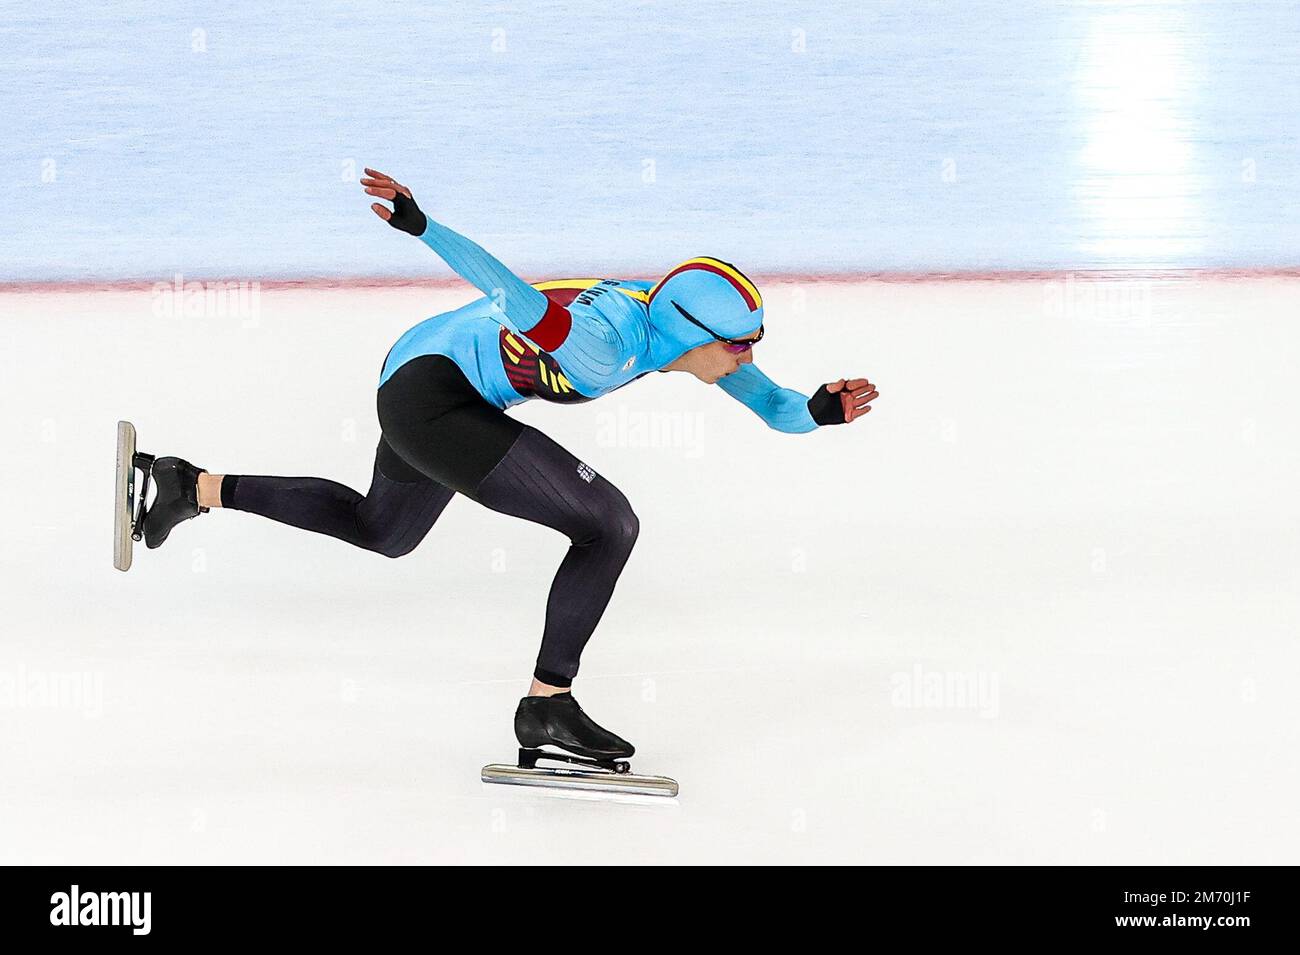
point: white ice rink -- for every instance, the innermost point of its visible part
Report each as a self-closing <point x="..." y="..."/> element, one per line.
<point x="1040" y="606"/>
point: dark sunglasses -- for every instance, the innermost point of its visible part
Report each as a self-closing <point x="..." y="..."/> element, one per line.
<point x="732" y="344"/>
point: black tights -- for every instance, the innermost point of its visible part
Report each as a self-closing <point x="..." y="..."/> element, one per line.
<point x="441" y="437"/>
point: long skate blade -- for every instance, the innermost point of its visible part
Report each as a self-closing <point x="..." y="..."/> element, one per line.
<point x="125" y="495"/>
<point x="575" y="779"/>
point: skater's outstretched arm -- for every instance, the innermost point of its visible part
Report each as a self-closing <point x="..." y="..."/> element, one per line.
<point x="785" y="409"/>
<point x="522" y="304"/>
<point x="782" y="408"/>
<point x="591" y="347"/>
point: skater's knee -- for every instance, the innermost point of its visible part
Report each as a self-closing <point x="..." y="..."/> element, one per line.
<point x="615" y="523"/>
<point x="392" y="543"/>
<point x="393" y="549"/>
<point x="628" y="527"/>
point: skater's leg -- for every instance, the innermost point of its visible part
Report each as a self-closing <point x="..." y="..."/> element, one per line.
<point x="440" y="425"/>
<point x="391" y="519"/>
<point x="542" y="482"/>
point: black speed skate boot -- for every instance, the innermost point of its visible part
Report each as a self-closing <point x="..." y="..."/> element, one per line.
<point x="600" y="764"/>
<point x="176" y="499"/>
<point x="559" y="721"/>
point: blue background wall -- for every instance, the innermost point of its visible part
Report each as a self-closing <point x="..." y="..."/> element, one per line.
<point x="142" y="139"/>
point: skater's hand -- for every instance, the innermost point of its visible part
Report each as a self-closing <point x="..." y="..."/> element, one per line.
<point x="839" y="402"/>
<point x="405" y="214"/>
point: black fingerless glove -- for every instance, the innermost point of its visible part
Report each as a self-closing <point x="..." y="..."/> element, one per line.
<point x="407" y="216"/>
<point x="825" y="407"/>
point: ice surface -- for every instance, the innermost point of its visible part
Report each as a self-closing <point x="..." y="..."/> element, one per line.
<point x="1080" y="497"/>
